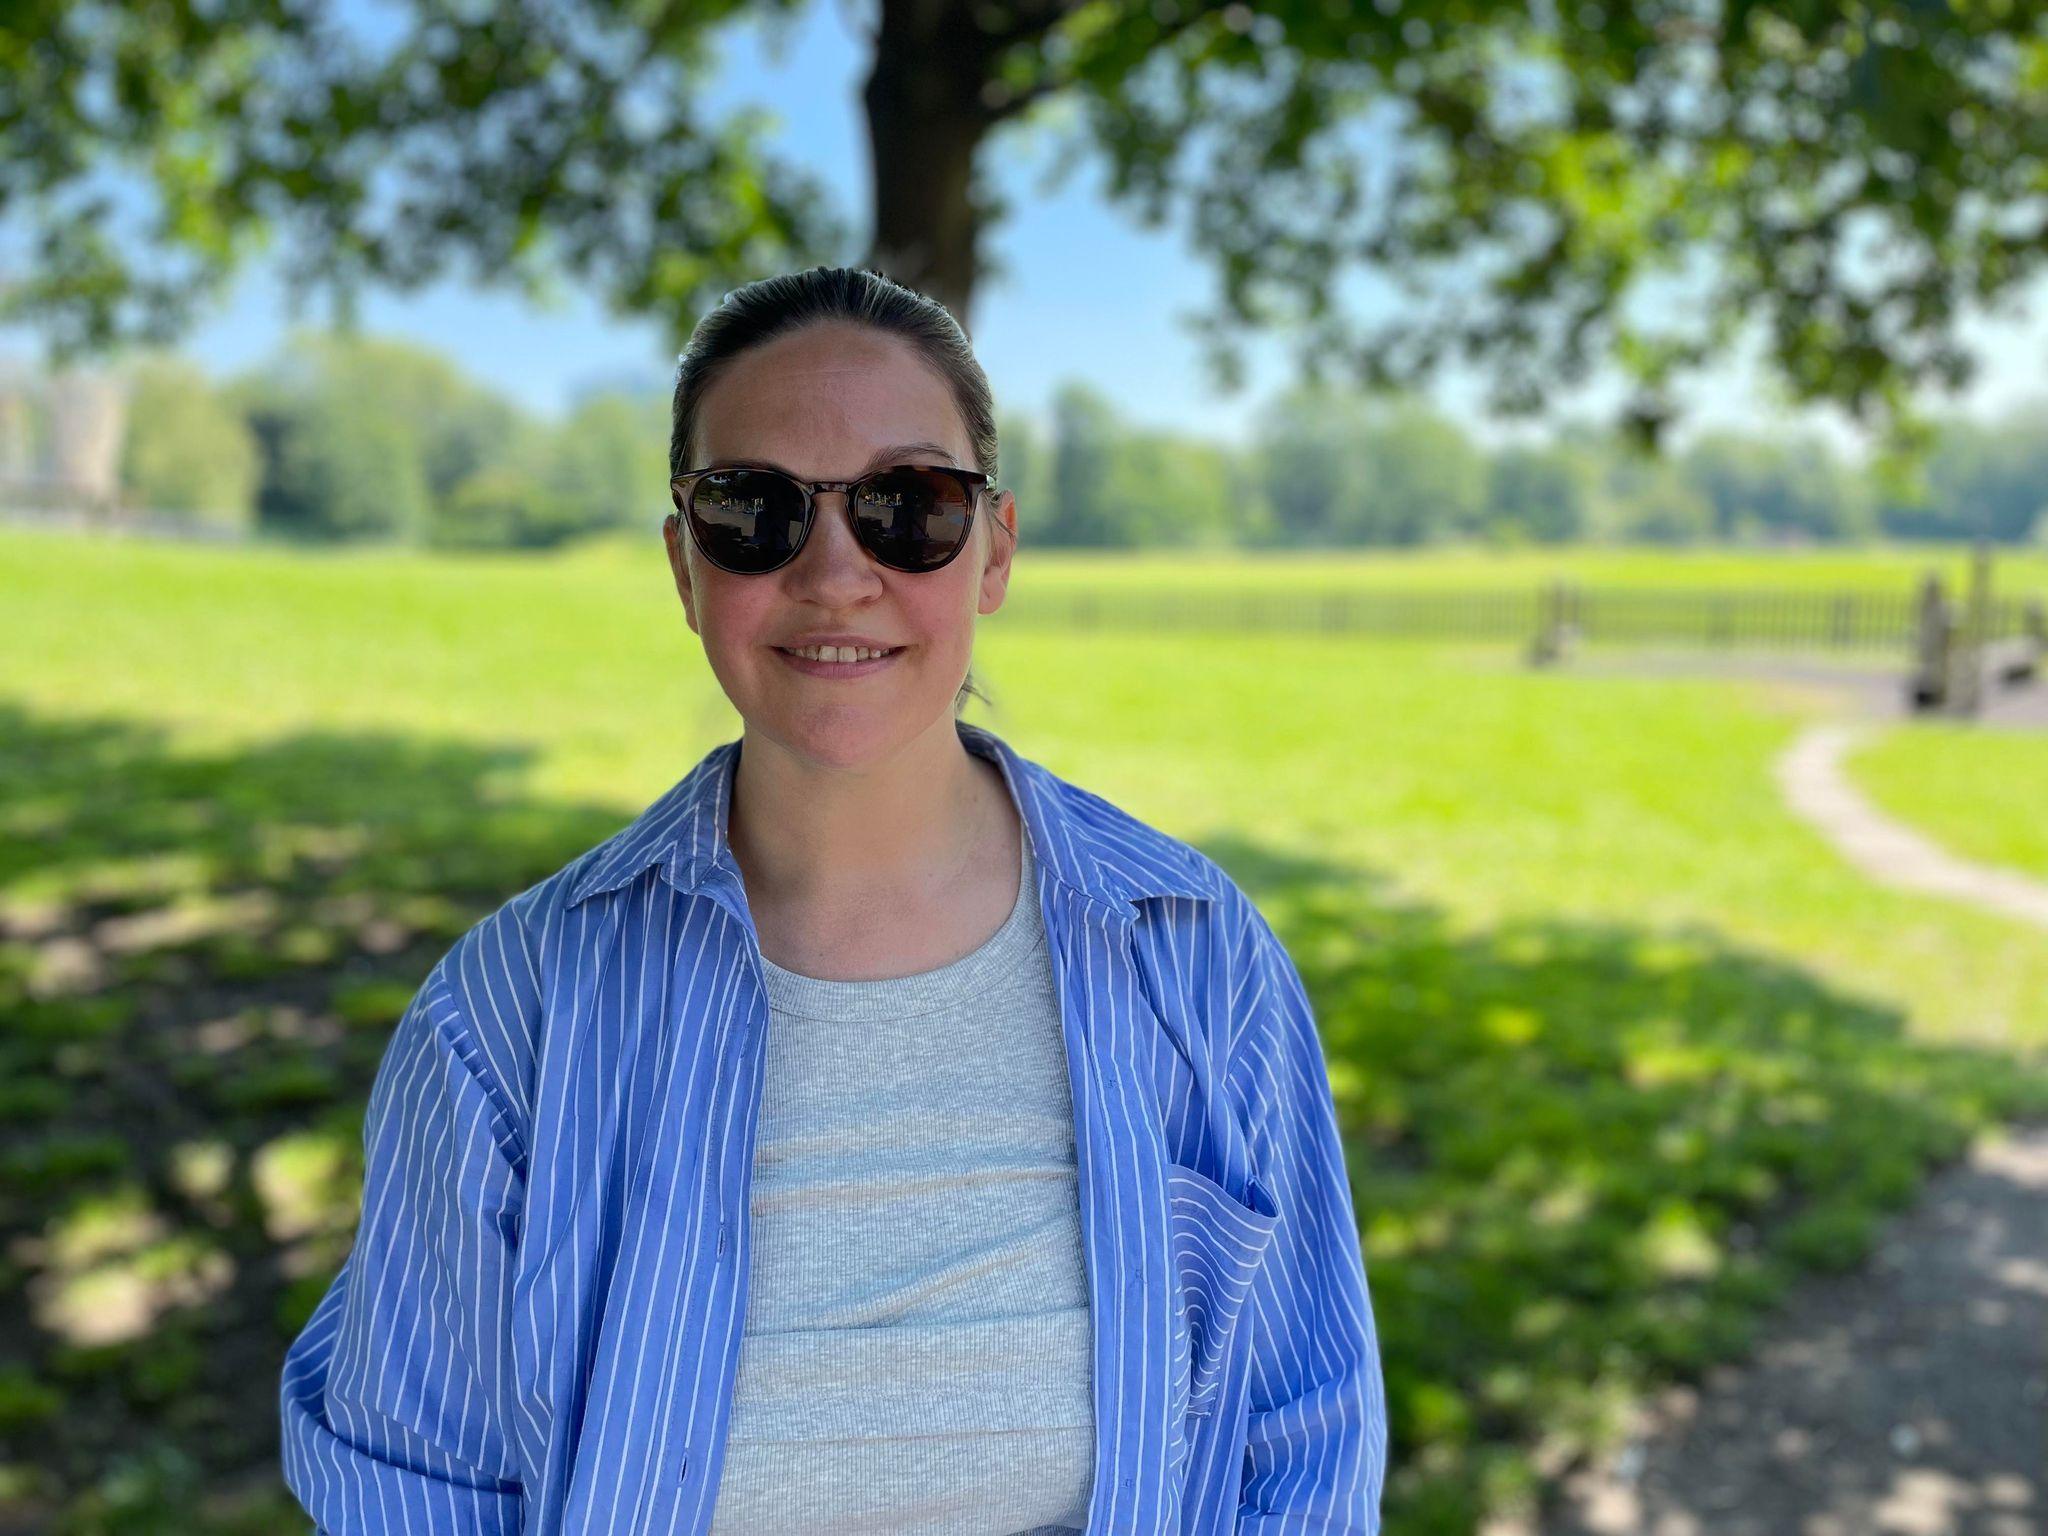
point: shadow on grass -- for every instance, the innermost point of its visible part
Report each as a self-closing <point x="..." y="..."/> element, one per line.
<point x="1588" y="1158"/>
<point x="201" y="960"/>
<point x="1584" y="1157"/>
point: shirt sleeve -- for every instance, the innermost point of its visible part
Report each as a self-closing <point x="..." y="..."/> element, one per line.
<point x="1316" y="1444"/>
<point x="393" y="1396"/>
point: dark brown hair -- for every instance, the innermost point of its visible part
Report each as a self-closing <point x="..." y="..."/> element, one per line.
<point x="752" y="315"/>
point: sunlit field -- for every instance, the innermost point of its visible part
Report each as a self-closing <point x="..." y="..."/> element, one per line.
<point x="1619" y="1046"/>
<point x="1981" y="793"/>
<point x="1886" y="568"/>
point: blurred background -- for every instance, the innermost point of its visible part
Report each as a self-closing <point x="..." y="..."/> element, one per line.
<point x="1554" y="498"/>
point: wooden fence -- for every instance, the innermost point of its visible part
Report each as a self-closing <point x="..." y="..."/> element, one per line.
<point x="1504" y="614"/>
<point x="1791" y="620"/>
<point x="1954" y="652"/>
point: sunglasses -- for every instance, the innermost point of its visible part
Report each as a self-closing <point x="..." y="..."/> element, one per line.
<point x="910" y="517"/>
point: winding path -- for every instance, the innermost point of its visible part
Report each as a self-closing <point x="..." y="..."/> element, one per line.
<point x="1811" y="776"/>
<point x="1909" y="1397"/>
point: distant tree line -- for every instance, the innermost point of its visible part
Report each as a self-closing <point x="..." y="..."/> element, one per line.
<point x="341" y="438"/>
<point x="1324" y="469"/>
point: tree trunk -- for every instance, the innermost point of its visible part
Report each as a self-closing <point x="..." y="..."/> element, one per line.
<point x="926" y="122"/>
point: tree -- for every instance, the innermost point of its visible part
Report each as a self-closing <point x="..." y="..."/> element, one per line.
<point x="187" y="450"/>
<point x="1420" y="479"/>
<point x="1538" y="494"/>
<point x="1084" y="433"/>
<point x="1168" y="492"/>
<point x="607" y="464"/>
<point x="365" y="437"/>
<point x="1983" y="481"/>
<point x="1023" y="470"/>
<point x="502" y="506"/>
<point x="464" y="429"/>
<point x="1343" y="469"/>
<point x="1775" y="488"/>
<point x="1644" y="497"/>
<point x="1303" y="446"/>
<point x="1849" y="179"/>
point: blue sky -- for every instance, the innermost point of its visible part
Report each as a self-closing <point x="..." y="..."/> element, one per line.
<point x="1087" y="292"/>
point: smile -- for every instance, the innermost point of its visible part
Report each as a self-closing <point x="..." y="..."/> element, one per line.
<point x="823" y="660"/>
<point x="839" y="652"/>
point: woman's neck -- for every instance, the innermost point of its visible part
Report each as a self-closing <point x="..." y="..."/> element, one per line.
<point x="907" y="829"/>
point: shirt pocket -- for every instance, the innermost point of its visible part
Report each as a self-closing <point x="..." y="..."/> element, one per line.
<point x="1219" y="1241"/>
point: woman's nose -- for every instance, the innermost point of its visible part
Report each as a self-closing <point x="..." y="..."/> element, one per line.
<point x="832" y="553"/>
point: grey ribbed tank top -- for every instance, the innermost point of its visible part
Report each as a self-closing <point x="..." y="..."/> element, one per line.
<point x="917" y="1353"/>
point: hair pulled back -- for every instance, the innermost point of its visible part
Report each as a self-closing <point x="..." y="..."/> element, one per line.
<point x="755" y="314"/>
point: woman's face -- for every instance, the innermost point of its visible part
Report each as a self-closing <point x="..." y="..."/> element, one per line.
<point x="821" y="403"/>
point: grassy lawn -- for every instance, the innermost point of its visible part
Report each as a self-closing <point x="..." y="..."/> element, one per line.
<point x="1617" y="1044"/>
<point x="1982" y="793"/>
<point x="1885" y="568"/>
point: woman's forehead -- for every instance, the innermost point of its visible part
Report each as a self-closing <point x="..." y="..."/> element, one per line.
<point x="837" y="360"/>
<point x="855" y="394"/>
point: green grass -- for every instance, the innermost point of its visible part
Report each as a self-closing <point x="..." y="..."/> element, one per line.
<point x="1894" y="567"/>
<point x="1981" y="792"/>
<point x="1497" y="793"/>
<point x="1619" y="1046"/>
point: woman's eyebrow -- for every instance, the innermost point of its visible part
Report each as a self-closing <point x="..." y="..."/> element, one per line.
<point x="880" y="457"/>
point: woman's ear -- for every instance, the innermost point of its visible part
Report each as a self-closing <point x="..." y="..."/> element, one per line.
<point x="1001" y="513"/>
<point x="679" y="562"/>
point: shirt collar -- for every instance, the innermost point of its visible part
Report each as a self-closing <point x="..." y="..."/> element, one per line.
<point x="1087" y="844"/>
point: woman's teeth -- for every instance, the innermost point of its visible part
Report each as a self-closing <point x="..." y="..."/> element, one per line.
<point x="839" y="652"/>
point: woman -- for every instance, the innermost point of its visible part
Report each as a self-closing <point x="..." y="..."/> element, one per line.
<point x="881" y="1133"/>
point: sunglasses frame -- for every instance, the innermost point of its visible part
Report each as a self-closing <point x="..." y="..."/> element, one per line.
<point x="972" y="481"/>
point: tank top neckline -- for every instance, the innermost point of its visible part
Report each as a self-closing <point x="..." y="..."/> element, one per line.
<point x="792" y="992"/>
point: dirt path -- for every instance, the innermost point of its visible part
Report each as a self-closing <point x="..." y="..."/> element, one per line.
<point x="1815" y="784"/>
<point x="1909" y="1398"/>
<point x="1811" y="776"/>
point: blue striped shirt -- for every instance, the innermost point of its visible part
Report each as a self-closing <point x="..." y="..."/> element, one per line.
<point x="537" y="1328"/>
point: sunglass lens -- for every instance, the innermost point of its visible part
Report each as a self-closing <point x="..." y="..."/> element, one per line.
<point x="912" y="518"/>
<point x="747" y="520"/>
